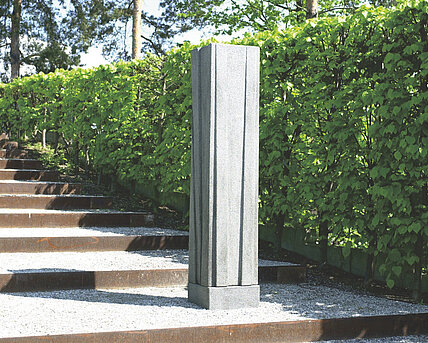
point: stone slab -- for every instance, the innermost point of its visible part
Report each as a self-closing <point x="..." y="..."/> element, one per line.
<point x="224" y="298"/>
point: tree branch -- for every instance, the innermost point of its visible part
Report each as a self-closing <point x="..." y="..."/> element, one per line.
<point x="288" y="8"/>
<point x="337" y="9"/>
<point x="156" y="47"/>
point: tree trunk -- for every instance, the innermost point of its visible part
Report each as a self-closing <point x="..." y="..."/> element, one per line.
<point x="14" y="39"/>
<point x="44" y="138"/>
<point x="44" y="130"/>
<point x="311" y="9"/>
<point x="136" y="29"/>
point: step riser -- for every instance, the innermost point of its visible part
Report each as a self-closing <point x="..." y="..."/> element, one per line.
<point x="91" y="244"/>
<point x="13" y="153"/>
<point x="20" y="164"/>
<point x="29" y="175"/>
<point x="56" y="203"/>
<point x="26" y="220"/>
<point x="28" y="282"/>
<point x="39" y="188"/>
<point x="291" y="331"/>
<point x="32" y="282"/>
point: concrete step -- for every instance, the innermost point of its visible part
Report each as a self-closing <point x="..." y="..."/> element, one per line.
<point x="27" y="218"/>
<point x="90" y="239"/>
<point x="38" y="187"/>
<point x="107" y="326"/>
<point x="90" y="231"/>
<point x="55" y="202"/>
<point x="91" y="244"/>
<point x="29" y="174"/>
<point x="13" y="163"/>
<point x="71" y="270"/>
<point x="15" y="153"/>
<point x="8" y="145"/>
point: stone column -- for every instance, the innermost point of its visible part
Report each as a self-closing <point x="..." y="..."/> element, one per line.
<point x="223" y="252"/>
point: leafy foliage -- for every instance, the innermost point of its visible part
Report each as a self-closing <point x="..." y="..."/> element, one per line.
<point x="228" y="16"/>
<point x="343" y="128"/>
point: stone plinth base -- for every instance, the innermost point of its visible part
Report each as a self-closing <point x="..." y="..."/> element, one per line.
<point x="224" y="298"/>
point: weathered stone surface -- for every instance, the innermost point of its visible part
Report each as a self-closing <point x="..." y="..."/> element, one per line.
<point x="224" y="184"/>
<point x="224" y="298"/>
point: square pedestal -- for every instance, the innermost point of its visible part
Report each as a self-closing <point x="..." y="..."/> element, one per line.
<point x="224" y="298"/>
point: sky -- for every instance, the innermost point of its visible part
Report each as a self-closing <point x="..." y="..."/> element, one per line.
<point x="94" y="56"/>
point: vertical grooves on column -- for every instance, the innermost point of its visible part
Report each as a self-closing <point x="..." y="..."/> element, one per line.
<point x="241" y="222"/>
<point x="198" y="237"/>
<point x="214" y="222"/>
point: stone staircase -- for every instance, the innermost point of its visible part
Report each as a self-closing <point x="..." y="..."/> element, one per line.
<point x="53" y="239"/>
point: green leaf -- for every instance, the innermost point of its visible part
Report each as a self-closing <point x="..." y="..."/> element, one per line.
<point x="397" y="155"/>
<point x="416" y="227"/>
<point x="346" y="251"/>
<point x="396" y="270"/>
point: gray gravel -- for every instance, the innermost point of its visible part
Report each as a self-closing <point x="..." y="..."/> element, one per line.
<point x="89" y="231"/>
<point x="61" y="312"/>
<point x="85" y="311"/>
<point x="92" y="261"/>
<point x="35" y="181"/>
<point x="50" y="195"/>
<point x="44" y="211"/>
<point x="97" y="261"/>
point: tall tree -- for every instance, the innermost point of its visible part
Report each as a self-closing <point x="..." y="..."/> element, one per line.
<point x="40" y="35"/>
<point x="157" y="31"/>
<point x="311" y="9"/>
<point x="15" y="54"/>
<point x="136" y="29"/>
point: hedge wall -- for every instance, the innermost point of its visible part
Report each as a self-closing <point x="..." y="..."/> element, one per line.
<point x="343" y="129"/>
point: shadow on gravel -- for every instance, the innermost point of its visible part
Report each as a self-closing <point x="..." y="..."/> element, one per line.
<point x="176" y="255"/>
<point x="319" y="302"/>
<point x="46" y="279"/>
<point x="312" y="302"/>
<point x="99" y="296"/>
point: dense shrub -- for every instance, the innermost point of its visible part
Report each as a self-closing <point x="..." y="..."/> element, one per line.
<point x="343" y="128"/>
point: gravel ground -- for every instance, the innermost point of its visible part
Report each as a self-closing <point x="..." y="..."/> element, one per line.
<point x="33" y="181"/>
<point x="80" y="311"/>
<point x="27" y="170"/>
<point x="92" y="261"/>
<point x="97" y="261"/>
<point x="37" y="210"/>
<point x="89" y="231"/>
<point x="51" y="195"/>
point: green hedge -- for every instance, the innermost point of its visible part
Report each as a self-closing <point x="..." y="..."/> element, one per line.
<point x="343" y="129"/>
